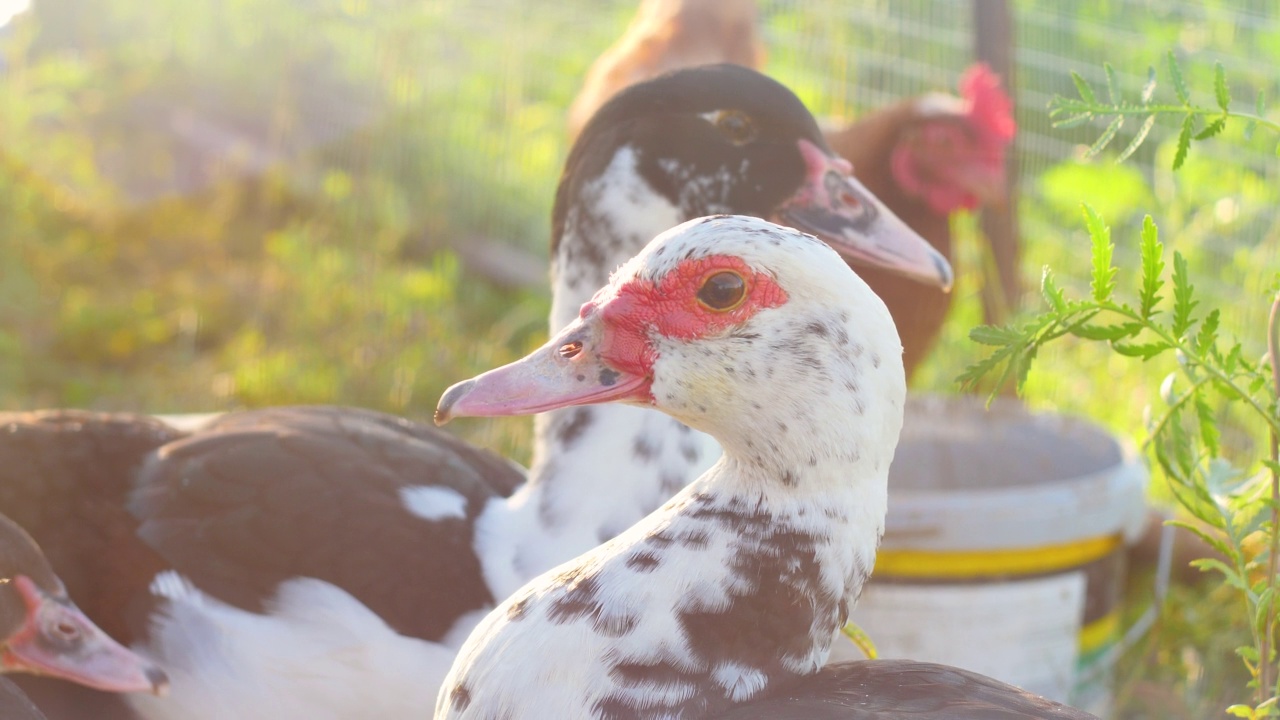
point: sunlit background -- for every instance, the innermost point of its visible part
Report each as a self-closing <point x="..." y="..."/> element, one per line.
<point x="208" y="205"/>
<point x="10" y="8"/>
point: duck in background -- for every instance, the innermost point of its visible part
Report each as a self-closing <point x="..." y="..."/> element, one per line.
<point x="327" y="562"/>
<point x="926" y="157"/>
<point x="297" y="526"/>
<point x="726" y="599"/>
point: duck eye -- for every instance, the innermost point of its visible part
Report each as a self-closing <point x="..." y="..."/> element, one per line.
<point x="723" y="291"/>
<point x="735" y="125"/>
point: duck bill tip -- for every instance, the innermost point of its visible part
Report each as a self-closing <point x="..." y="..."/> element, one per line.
<point x="550" y="378"/>
<point x="835" y="207"/>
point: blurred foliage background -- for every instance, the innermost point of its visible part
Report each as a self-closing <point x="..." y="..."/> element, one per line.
<point x="210" y="205"/>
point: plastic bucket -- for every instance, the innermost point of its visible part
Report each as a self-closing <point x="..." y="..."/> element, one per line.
<point x="1004" y="544"/>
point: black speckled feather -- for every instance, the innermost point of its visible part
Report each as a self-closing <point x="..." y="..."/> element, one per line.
<point x="773" y="586"/>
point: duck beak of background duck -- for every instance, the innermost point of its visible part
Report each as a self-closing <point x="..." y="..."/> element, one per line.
<point x="59" y="641"/>
<point x="837" y="208"/>
<point x="569" y="370"/>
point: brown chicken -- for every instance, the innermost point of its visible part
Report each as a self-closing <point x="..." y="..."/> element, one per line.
<point x="928" y="157"/>
<point x="668" y="35"/>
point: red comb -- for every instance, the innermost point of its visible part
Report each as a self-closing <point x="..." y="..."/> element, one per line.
<point x="989" y="106"/>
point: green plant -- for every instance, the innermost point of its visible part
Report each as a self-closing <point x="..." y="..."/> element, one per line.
<point x="1233" y="496"/>
<point x="1070" y="112"/>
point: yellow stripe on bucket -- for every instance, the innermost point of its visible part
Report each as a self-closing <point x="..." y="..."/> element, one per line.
<point x="946" y="564"/>
<point x="1099" y="633"/>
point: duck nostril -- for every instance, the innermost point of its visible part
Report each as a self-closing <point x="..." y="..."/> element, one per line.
<point x="571" y="350"/>
<point x="66" y="630"/>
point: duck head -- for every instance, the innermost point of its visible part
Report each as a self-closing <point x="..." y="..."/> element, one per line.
<point x="43" y="632"/>
<point x="718" y="139"/>
<point x="723" y="323"/>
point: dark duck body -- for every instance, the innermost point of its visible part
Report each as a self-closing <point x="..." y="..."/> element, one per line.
<point x="195" y="546"/>
<point x="903" y="690"/>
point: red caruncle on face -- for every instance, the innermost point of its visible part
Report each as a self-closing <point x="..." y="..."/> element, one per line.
<point x="639" y="309"/>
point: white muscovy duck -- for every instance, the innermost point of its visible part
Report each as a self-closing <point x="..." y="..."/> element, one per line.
<point x="43" y="633"/>
<point x="326" y="549"/>
<point x="725" y="599"/>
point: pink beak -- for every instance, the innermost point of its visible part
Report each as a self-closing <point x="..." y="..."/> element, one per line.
<point x="569" y="370"/>
<point x="59" y="641"/>
<point x="835" y="207"/>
